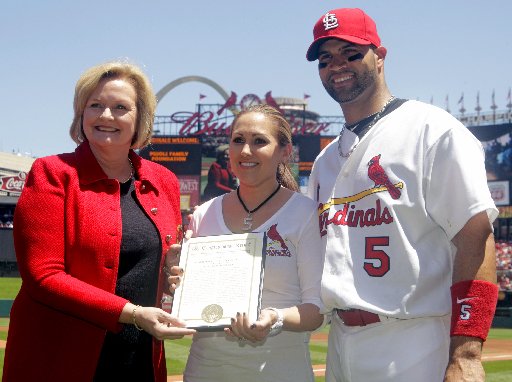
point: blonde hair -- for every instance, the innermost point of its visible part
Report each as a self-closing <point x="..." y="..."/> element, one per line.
<point x="284" y="136"/>
<point x="145" y="102"/>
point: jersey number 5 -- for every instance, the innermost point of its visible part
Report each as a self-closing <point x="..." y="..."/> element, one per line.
<point x="376" y="262"/>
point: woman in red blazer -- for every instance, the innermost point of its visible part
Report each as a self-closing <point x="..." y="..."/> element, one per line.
<point x="91" y="231"/>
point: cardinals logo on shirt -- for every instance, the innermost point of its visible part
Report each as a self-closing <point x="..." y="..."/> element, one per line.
<point x="349" y="215"/>
<point x="379" y="176"/>
<point x="276" y="246"/>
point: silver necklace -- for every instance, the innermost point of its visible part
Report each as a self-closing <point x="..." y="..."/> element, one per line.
<point x="373" y="122"/>
<point x="248" y="218"/>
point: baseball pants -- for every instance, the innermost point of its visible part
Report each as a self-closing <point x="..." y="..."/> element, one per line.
<point x="396" y="350"/>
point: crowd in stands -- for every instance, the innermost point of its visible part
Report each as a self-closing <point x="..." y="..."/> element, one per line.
<point x="504" y="264"/>
<point x="6" y="220"/>
<point x="498" y="157"/>
<point x="6" y="216"/>
<point x="7" y="224"/>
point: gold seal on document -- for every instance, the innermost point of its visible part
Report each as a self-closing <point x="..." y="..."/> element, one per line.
<point x="212" y="313"/>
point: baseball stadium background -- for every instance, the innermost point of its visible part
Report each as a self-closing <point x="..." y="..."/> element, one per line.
<point x="186" y="143"/>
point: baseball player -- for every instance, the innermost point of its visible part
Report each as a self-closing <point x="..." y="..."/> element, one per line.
<point x="406" y="217"/>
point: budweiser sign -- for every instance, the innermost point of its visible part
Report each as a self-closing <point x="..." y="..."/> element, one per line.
<point x="215" y="123"/>
<point x="194" y="123"/>
<point x="13" y="184"/>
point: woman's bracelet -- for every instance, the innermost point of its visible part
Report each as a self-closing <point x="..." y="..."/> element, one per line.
<point x="278" y="325"/>
<point x="133" y="318"/>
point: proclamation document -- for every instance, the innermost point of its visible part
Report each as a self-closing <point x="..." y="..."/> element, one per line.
<point x="223" y="275"/>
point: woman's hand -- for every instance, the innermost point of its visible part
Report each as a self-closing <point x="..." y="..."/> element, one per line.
<point x="155" y="321"/>
<point x="171" y="268"/>
<point x="257" y="331"/>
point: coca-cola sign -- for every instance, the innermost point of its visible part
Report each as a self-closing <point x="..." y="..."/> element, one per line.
<point x="13" y="184"/>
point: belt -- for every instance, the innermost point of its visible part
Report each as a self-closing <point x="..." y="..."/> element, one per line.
<point x="357" y="317"/>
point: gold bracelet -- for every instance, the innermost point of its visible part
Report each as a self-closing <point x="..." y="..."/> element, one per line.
<point x="133" y="318"/>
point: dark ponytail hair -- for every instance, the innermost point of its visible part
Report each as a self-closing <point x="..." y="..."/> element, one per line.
<point x="284" y="136"/>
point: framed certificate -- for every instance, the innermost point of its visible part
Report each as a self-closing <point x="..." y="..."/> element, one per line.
<point x="223" y="275"/>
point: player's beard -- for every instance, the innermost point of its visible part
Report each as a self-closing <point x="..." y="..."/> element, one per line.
<point x="363" y="82"/>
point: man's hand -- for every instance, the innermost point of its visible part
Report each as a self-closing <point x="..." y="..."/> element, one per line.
<point x="465" y="363"/>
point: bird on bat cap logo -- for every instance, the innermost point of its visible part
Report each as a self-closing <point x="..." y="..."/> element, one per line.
<point x="378" y="175"/>
<point x="276" y="245"/>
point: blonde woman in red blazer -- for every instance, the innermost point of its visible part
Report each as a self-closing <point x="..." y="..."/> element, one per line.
<point x="92" y="229"/>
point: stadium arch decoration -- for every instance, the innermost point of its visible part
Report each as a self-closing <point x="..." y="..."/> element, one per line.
<point x="182" y="80"/>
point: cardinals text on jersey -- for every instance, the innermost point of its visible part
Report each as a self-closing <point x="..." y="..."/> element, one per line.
<point x="352" y="217"/>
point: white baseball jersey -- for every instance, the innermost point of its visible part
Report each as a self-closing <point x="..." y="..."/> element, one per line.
<point x="388" y="212"/>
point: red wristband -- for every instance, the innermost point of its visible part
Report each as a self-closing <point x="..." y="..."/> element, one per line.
<point x="473" y="307"/>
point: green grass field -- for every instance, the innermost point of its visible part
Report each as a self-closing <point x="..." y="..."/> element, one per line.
<point x="177" y="350"/>
<point x="9" y="287"/>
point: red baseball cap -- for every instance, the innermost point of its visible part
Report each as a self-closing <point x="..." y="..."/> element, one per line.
<point x="349" y="24"/>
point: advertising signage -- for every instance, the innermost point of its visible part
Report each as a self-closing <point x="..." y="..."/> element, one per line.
<point x="183" y="156"/>
<point x="215" y="119"/>
<point x="12" y="185"/>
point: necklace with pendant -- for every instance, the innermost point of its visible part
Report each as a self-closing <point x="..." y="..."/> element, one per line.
<point x="373" y="122"/>
<point x="248" y="218"/>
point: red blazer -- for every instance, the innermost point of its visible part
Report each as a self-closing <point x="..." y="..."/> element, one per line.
<point x="67" y="236"/>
